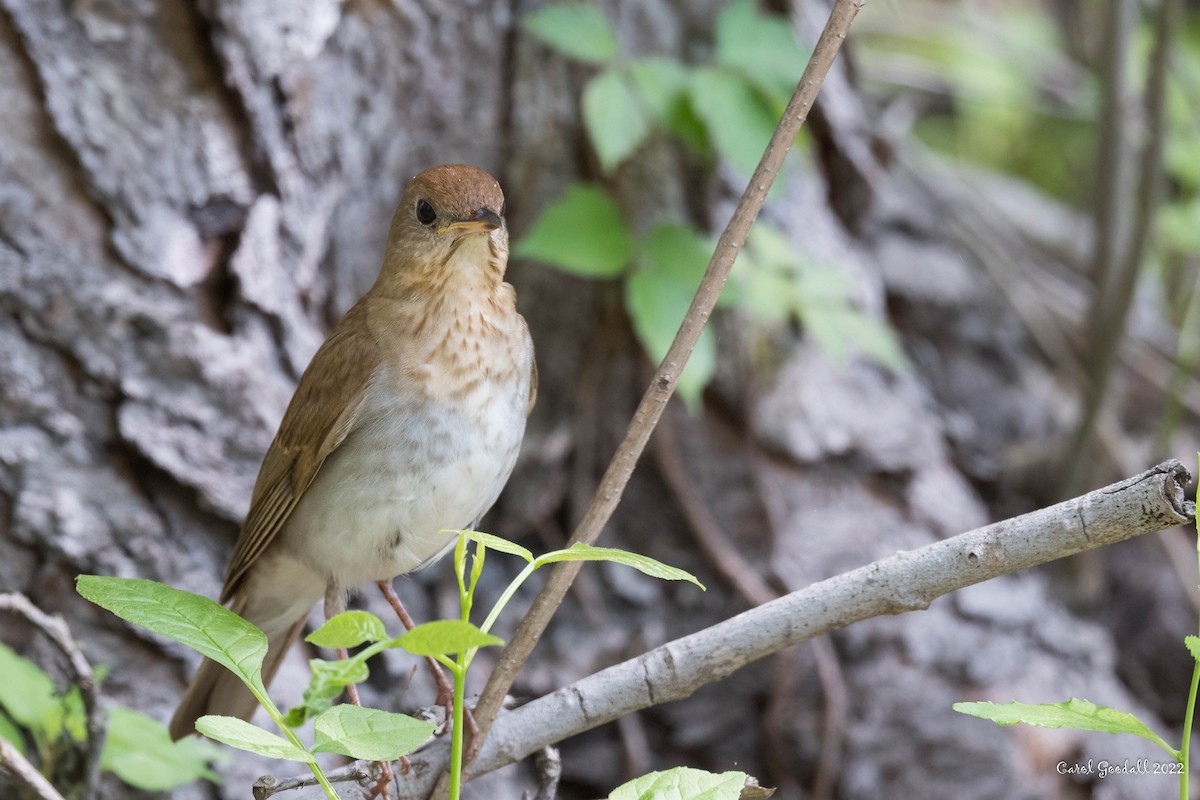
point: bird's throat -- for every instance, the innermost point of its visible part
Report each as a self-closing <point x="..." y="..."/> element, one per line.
<point x="456" y="331"/>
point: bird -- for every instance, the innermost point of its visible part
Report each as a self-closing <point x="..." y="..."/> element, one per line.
<point x="407" y="421"/>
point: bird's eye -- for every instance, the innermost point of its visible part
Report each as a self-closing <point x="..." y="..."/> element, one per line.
<point x="425" y="213"/>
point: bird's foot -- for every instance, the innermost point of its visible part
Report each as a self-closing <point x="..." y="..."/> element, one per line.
<point x="445" y="699"/>
<point x="382" y="787"/>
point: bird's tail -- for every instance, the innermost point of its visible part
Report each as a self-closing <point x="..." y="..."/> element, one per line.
<point x="277" y="598"/>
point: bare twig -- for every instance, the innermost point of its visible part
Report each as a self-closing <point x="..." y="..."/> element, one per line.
<point x="363" y="773"/>
<point x="833" y="733"/>
<point x="1114" y="162"/>
<point x="636" y="745"/>
<point x="55" y="629"/>
<point x="617" y="475"/>
<point x="905" y="581"/>
<point x="829" y="669"/>
<point x="1118" y="262"/>
<point x="722" y="555"/>
<point x="445" y="693"/>
<point x="754" y="589"/>
<point x="778" y="741"/>
<point x="15" y="766"/>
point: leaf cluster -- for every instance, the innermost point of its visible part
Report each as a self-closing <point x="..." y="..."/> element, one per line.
<point x="219" y="634"/>
<point x="727" y="110"/>
<point x="239" y="646"/>
<point x="37" y="718"/>
<point x="730" y="106"/>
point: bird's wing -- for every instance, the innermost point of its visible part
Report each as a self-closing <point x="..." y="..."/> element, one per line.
<point x="322" y="412"/>
<point x="533" y="372"/>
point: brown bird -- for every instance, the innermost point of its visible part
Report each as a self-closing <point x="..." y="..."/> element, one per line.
<point x="407" y="422"/>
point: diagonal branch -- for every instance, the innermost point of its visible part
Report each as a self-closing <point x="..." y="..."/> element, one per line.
<point x="608" y="495"/>
<point x="905" y="581"/>
<point x="24" y="774"/>
<point x="56" y="630"/>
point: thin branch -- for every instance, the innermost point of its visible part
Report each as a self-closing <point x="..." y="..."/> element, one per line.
<point x="55" y="629"/>
<point x="779" y="745"/>
<point x="829" y="669"/>
<point x="905" y="581"/>
<point x="1123" y="259"/>
<point x="364" y="774"/>
<point x="723" y="556"/>
<point x="833" y="730"/>
<point x="15" y="766"/>
<point x="617" y="475"/>
<point x="754" y="589"/>
<point x="1114" y="161"/>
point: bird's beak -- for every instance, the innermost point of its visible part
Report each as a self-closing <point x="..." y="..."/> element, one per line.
<point x="482" y="221"/>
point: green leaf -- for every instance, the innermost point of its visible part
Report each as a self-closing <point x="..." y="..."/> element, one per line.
<point x="778" y="283"/>
<point x="74" y="715"/>
<point x="1076" y="714"/>
<point x="368" y="733"/>
<point x="663" y="86"/>
<point x="1193" y="646"/>
<point x="493" y="542"/>
<point x="10" y="732"/>
<point x="682" y="783"/>
<point x="662" y="82"/>
<point x="139" y="751"/>
<point x="644" y="564"/>
<point x="616" y="121"/>
<point x="1180" y="157"/>
<point x="761" y="48"/>
<point x="210" y="629"/>
<point x="658" y="296"/>
<point x="577" y="31"/>
<point x="769" y="295"/>
<point x="772" y="247"/>
<point x="1179" y="225"/>
<point x="244" y="736"/>
<point x="582" y="234"/>
<point x="678" y="251"/>
<point x="840" y="330"/>
<point x="738" y="119"/>
<point x="445" y="637"/>
<point x="329" y="680"/>
<point x="348" y="629"/>
<point x="28" y="694"/>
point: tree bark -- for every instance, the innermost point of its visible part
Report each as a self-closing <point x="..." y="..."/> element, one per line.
<point x="192" y="192"/>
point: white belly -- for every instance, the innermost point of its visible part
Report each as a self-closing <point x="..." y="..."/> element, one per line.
<point x="412" y="469"/>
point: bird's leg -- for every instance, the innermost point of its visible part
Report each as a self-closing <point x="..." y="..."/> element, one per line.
<point x="445" y="692"/>
<point x="335" y="603"/>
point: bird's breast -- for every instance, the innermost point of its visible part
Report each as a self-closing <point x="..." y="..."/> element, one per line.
<point x="436" y="440"/>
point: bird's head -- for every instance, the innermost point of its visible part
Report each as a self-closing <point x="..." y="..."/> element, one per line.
<point x="445" y="204"/>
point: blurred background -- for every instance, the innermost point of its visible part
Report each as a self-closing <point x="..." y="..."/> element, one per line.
<point x="972" y="294"/>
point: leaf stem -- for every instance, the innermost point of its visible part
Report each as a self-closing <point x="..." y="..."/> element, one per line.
<point x="1185" y="748"/>
<point x="509" y="591"/>
<point x="273" y="712"/>
<point x="456" y="730"/>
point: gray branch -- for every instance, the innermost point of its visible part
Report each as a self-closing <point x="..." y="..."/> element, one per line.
<point x="905" y="581"/>
<point x="16" y="767"/>
<point x="55" y="629"/>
